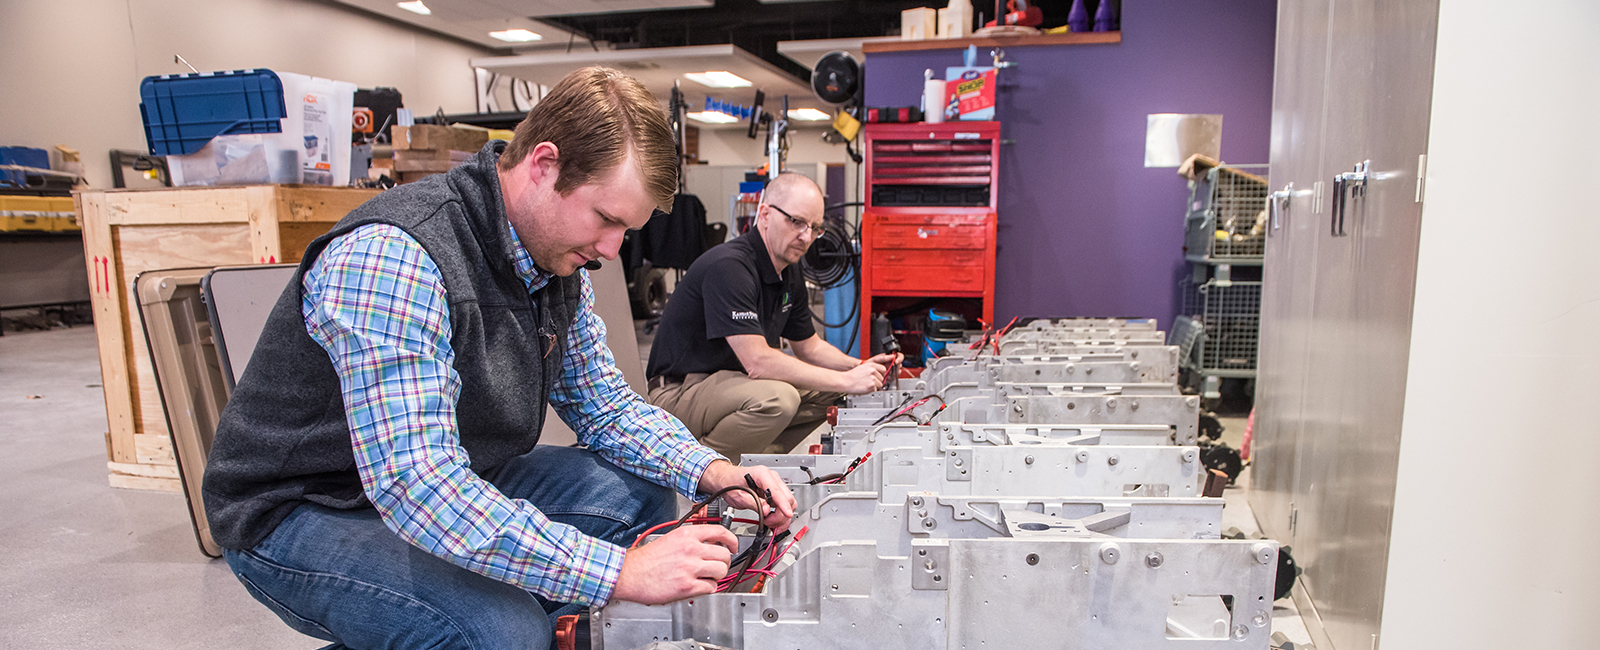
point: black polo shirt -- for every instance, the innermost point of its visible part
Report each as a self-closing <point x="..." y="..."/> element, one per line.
<point x="731" y="289"/>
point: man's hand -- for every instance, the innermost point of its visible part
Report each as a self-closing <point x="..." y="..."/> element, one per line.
<point x="720" y="474"/>
<point x="864" y="378"/>
<point x="888" y="359"/>
<point x="684" y="563"/>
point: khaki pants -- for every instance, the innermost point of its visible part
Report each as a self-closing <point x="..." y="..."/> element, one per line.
<point x="736" y="415"/>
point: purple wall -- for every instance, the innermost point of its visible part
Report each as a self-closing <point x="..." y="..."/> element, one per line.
<point x="1085" y="228"/>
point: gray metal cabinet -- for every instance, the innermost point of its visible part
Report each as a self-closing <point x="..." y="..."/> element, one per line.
<point x="1353" y="82"/>
<point x="1289" y="290"/>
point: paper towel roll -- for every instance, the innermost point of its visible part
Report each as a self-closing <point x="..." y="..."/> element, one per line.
<point x="933" y="101"/>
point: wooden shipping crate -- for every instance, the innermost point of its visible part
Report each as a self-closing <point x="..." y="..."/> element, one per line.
<point x="128" y="232"/>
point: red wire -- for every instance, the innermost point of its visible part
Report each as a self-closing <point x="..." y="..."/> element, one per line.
<point x="696" y="520"/>
<point x="791" y="544"/>
<point x="724" y="584"/>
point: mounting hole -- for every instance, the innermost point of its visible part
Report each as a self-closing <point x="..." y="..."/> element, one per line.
<point x="1033" y="558"/>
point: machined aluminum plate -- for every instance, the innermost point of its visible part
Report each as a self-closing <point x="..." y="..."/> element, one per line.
<point x="1037" y="592"/>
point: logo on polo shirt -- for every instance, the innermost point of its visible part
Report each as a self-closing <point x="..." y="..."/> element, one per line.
<point x="745" y="315"/>
<point x="785" y="309"/>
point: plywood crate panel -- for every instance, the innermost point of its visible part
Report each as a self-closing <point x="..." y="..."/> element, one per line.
<point x="128" y="232"/>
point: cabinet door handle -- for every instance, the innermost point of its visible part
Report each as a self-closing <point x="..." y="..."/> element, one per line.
<point x="1346" y="186"/>
<point x="1278" y="205"/>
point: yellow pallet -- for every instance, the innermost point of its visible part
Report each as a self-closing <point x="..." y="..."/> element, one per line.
<point x="37" y="214"/>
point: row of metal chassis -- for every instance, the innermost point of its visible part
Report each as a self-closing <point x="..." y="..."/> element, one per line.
<point x="1053" y="502"/>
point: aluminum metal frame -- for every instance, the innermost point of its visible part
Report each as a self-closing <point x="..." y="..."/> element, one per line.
<point x="1077" y="470"/>
<point x="962" y="593"/>
<point x="1101" y="323"/>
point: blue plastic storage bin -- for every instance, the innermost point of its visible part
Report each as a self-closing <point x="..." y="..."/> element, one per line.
<point x="25" y="157"/>
<point x="183" y="112"/>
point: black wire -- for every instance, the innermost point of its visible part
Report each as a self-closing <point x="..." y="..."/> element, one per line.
<point x="838" y="241"/>
<point x="885" y="417"/>
<point x="718" y="494"/>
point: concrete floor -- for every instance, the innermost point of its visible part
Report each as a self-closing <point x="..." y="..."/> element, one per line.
<point x="85" y="565"/>
<point x="88" y="566"/>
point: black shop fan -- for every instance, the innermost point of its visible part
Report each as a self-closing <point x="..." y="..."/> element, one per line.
<point x="837" y="80"/>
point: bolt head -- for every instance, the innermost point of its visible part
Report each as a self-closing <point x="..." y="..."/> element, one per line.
<point x="1113" y="460"/>
<point x="1153" y="560"/>
<point x="1028" y="460"/>
<point x="1033" y="559"/>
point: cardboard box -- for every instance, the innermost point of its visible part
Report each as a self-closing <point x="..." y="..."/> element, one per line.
<point x="918" y="24"/>
<point x="969" y="93"/>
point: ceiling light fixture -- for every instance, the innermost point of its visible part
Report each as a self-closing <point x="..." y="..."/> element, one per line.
<point x="808" y="115"/>
<point x="415" y="6"/>
<point x="712" y="117"/>
<point x="516" y="36"/>
<point x="718" y="79"/>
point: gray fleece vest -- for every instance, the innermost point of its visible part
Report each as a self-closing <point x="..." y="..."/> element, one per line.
<point x="283" y="440"/>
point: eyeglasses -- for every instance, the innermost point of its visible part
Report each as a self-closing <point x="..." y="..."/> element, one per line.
<point x="798" y="225"/>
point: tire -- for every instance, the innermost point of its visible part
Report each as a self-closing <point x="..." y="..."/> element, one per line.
<point x="649" y="294"/>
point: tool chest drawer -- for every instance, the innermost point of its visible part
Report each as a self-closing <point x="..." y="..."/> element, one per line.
<point x="927" y="278"/>
<point x="931" y="236"/>
<point x="926" y="219"/>
<point x="927" y="257"/>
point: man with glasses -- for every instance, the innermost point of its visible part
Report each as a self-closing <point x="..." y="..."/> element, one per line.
<point x="716" y="362"/>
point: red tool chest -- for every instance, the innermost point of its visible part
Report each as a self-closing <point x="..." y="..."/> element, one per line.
<point x="928" y="229"/>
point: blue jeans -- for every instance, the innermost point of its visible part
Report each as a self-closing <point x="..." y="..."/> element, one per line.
<point x="342" y="576"/>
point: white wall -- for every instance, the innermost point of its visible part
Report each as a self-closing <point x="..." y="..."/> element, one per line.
<point x="72" y="68"/>
<point x="1497" y="507"/>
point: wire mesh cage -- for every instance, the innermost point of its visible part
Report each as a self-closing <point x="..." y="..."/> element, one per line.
<point x="1220" y="329"/>
<point x="1227" y="217"/>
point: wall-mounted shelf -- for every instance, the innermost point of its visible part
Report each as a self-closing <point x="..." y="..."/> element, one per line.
<point x="1080" y="38"/>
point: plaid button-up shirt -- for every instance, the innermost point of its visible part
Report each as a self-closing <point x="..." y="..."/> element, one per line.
<point x="376" y="302"/>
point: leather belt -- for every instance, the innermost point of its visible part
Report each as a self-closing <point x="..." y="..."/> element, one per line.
<point x="663" y="381"/>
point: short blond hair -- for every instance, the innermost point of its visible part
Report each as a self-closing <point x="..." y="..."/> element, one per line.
<point x="595" y="117"/>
